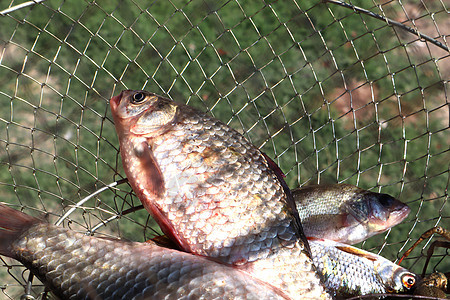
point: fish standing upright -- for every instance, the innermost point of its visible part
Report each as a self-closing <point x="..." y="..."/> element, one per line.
<point x="212" y="191"/>
<point x="346" y="213"/>
<point x="75" y="266"/>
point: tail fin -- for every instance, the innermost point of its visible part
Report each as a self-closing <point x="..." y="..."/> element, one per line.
<point x="12" y="224"/>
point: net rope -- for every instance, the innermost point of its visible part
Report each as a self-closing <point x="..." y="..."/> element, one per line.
<point x="334" y="92"/>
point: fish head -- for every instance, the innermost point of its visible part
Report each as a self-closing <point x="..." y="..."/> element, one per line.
<point x="408" y="280"/>
<point x="398" y="279"/>
<point x="385" y="211"/>
<point x="139" y="117"/>
<point x="378" y="212"/>
<point x="141" y="113"/>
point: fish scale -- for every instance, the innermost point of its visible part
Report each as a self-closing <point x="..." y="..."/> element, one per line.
<point x="349" y="271"/>
<point x="220" y="178"/>
<point x="235" y="211"/>
<point x="75" y="266"/>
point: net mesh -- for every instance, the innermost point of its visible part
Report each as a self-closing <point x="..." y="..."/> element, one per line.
<point x="331" y="93"/>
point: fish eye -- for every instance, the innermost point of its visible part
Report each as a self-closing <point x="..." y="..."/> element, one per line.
<point x="138" y="98"/>
<point x="408" y="281"/>
<point x="386" y="200"/>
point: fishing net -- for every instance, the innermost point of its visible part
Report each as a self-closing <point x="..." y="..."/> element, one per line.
<point x="334" y="92"/>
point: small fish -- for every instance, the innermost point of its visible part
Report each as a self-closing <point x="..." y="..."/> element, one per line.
<point x="349" y="271"/>
<point x="212" y="191"/>
<point x="75" y="266"/>
<point x="346" y="213"/>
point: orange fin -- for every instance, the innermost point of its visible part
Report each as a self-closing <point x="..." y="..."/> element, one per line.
<point x="164" y="241"/>
<point x="313" y="238"/>
<point x="153" y="179"/>
<point x="153" y="175"/>
<point x="358" y="252"/>
<point x="13" y="224"/>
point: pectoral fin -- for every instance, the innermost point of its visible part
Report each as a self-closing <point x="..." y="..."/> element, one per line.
<point x="153" y="177"/>
<point x="153" y="180"/>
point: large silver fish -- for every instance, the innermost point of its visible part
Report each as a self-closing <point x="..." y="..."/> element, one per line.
<point x="346" y="213"/>
<point x="349" y="271"/>
<point x="75" y="266"/>
<point x="212" y="191"/>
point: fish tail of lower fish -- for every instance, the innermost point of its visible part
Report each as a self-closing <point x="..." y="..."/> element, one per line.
<point x="12" y="224"/>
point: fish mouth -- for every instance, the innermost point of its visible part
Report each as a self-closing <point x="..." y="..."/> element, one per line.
<point x="400" y="214"/>
<point x="395" y="217"/>
<point x="115" y="101"/>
